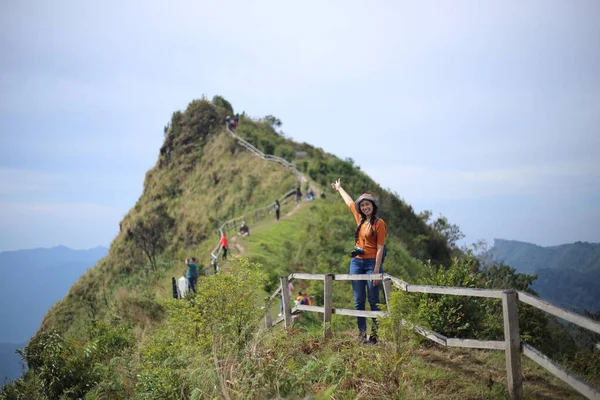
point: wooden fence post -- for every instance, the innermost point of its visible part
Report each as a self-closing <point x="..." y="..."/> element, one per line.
<point x="387" y="292"/>
<point x="268" y="320"/>
<point x="327" y="305"/>
<point x="396" y="320"/>
<point x="285" y="295"/>
<point x="513" y="344"/>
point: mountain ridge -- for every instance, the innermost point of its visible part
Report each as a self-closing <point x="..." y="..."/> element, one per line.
<point x="119" y="334"/>
<point x="567" y="274"/>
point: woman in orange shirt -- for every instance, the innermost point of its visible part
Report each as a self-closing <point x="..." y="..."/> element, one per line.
<point x="367" y="256"/>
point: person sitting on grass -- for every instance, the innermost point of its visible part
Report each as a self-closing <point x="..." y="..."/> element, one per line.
<point x="244" y="230"/>
<point x="302" y="299"/>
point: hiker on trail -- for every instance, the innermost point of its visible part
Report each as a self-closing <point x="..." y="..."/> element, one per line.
<point x="244" y="230"/>
<point x="298" y="194"/>
<point x="223" y="244"/>
<point x="310" y="195"/>
<point x="367" y="256"/>
<point x="276" y="206"/>
<point x="192" y="273"/>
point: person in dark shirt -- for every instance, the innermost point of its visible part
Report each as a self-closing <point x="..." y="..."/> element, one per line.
<point x="244" y="230"/>
<point x="192" y="273"/>
<point x="276" y="206"/>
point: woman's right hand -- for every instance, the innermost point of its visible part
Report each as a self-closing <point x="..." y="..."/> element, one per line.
<point x="336" y="185"/>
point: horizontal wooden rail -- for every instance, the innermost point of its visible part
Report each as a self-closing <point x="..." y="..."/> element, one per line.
<point x="359" y="313"/>
<point x="277" y="292"/>
<point x="399" y="283"/>
<point x="454" y="291"/>
<point x="314" y="277"/>
<point x="302" y="307"/>
<point x="358" y="277"/>
<point x="567" y="315"/>
<point x="476" y="344"/>
<point x="342" y="311"/>
<point x="569" y="378"/>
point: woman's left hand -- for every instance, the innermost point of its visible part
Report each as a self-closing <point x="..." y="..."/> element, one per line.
<point x="375" y="271"/>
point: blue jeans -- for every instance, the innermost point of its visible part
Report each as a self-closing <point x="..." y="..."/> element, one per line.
<point x="364" y="266"/>
<point x="192" y="283"/>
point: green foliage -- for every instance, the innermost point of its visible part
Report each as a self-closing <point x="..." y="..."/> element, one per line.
<point x="223" y="106"/>
<point x="454" y="316"/>
<point x="212" y="328"/>
<point x="67" y="369"/>
<point x="149" y="234"/>
<point x="273" y="121"/>
<point x="285" y="151"/>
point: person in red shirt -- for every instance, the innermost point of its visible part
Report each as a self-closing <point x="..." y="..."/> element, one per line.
<point x="367" y="256"/>
<point x="223" y="244"/>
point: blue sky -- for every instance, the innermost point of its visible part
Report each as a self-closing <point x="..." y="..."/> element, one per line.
<point x="488" y="113"/>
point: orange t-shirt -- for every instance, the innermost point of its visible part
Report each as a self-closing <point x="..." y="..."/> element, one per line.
<point x="369" y="238"/>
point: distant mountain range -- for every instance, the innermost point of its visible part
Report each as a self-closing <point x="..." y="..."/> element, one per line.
<point x="31" y="281"/>
<point x="568" y="275"/>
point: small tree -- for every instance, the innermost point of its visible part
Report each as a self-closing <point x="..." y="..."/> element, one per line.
<point x="450" y="232"/>
<point x="148" y="233"/>
<point x="273" y="121"/>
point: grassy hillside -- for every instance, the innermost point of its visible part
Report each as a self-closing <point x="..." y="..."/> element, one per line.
<point x="118" y="334"/>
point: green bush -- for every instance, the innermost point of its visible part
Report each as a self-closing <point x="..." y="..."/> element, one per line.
<point x="285" y="151"/>
<point x="200" y="335"/>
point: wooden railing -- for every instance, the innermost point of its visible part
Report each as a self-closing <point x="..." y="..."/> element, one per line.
<point x="260" y="212"/>
<point x="512" y="345"/>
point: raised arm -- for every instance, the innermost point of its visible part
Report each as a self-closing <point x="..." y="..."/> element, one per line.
<point x="337" y="186"/>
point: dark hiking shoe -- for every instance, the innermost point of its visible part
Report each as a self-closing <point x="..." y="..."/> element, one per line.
<point x="372" y="339"/>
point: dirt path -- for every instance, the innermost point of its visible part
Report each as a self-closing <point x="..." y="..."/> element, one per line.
<point x="236" y="243"/>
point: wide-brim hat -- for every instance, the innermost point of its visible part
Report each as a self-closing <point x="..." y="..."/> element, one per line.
<point x="366" y="196"/>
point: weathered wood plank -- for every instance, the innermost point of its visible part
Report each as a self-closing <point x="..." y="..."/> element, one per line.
<point x="431" y="335"/>
<point x="387" y="292"/>
<point x="302" y="307"/>
<point x="456" y="291"/>
<point x="285" y="295"/>
<point x="359" y="313"/>
<point x="512" y="344"/>
<point x="275" y="294"/>
<point x="358" y="277"/>
<point x="268" y="320"/>
<point x="314" y="277"/>
<point x="278" y="320"/>
<point x="555" y="369"/>
<point x="476" y="344"/>
<point x="327" y="304"/>
<point x="560" y="312"/>
<point x="398" y="282"/>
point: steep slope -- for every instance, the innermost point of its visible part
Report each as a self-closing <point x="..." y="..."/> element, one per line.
<point x="202" y="178"/>
<point x="118" y="333"/>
